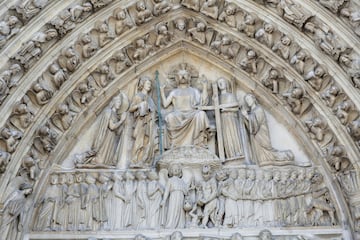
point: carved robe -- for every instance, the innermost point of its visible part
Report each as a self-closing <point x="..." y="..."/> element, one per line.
<point x="155" y="191"/>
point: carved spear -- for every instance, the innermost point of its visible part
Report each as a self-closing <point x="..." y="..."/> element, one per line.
<point x="159" y="111"/>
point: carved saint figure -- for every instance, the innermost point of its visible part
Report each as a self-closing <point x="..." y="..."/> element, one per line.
<point x="208" y="197"/>
<point x="111" y="121"/>
<point x="143" y="14"/>
<point x="229" y="121"/>
<point x="154" y="191"/>
<point x="186" y="125"/>
<point x="145" y="130"/>
<point x="175" y="192"/>
<point x="13" y="212"/>
<point x="258" y="128"/>
<point x="210" y="8"/>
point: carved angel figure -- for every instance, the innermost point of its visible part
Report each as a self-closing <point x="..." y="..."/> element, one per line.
<point x="122" y="61"/>
<point x="161" y="7"/>
<point x="164" y="36"/>
<point x="198" y="32"/>
<point x="46" y="139"/>
<point x="283" y="47"/>
<point x="330" y="95"/>
<point x="293" y="13"/>
<point x="8" y="28"/>
<point x="27" y="9"/>
<point x="105" y="34"/>
<point x="228" y="15"/>
<point x="59" y="75"/>
<point x="317" y="78"/>
<point x="249" y="62"/>
<point x="210" y="8"/>
<point x="272" y="80"/>
<point x="265" y="34"/>
<point x="123" y="22"/>
<point x="299" y="61"/>
<point x="88" y="46"/>
<point x="8" y="80"/>
<point x="41" y="94"/>
<point x="317" y="128"/>
<point x="142" y="50"/>
<point x="145" y="129"/>
<point x="62" y="118"/>
<point x="226" y="47"/>
<point x="85" y="93"/>
<point x="143" y="14"/>
<point x="248" y="25"/>
<point x="10" y="139"/>
<point x="299" y="104"/>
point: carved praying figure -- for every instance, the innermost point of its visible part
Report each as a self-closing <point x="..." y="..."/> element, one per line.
<point x="262" y="149"/>
<point x="186" y="125"/>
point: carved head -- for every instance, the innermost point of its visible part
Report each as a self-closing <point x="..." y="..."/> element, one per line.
<point x="70" y="179"/>
<point x="230" y="9"/>
<point x="222" y="84"/>
<point x="249" y="19"/>
<point x="140" y="175"/>
<point x="144" y="84"/>
<point x="54" y="68"/>
<point x="250" y="100"/>
<point x="183" y="76"/>
<point x="15" y="68"/>
<point x="153" y="176"/>
<point x="140" y="43"/>
<point x="54" y="179"/>
<point x="200" y="27"/>
<point x="274" y="74"/>
<point x="51" y="34"/>
<point x="180" y="24"/>
<point x="233" y="174"/>
<point x="175" y="170"/>
<point x="121" y="15"/>
<point x="26" y="188"/>
<point x="6" y="133"/>
<point x="140" y="6"/>
<point x="13" y="20"/>
<point x="90" y="179"/>
<point x="87" y="7"/>
<point x="206" y="172"/>
<point x="268" y="27"/>
<point x="285" y="40"/>
<point x="267" y="175"/>
<point x="265" y="235"/>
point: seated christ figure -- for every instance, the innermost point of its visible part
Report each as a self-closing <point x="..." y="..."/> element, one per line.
<point x="186" y="125"/>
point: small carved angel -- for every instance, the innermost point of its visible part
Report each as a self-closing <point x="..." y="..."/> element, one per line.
<point x="265" y="35"/>
<point x="161" y="7"/>
<point x="337" y="157"/>
<point x="122" y="61"/>
<point x="331" y="95"/>
<point x="9" y="139"/>
<point x="228" y="15"/>
<point x="80" y="12"/>
<point x="84" y="94"/>
<point x="87" y="45"/>
<point x="69" y="60"/>
<point x="249" y="62"/>
<point x="63" y="117"/>
<point x="210" y="8"/>
<point x="248" y="25"/>
<point x="59" y="75"/>
<point x="8" y="28"/>
<point x="282" y="47"/>
<point x="199" y="32"/>
<point x="226" y="47"/>
<point x="143" y="14"/>
<point x="297" y="101"/>
<point x="22" y="116"/>
<point x="105" y="34"/>
<point x="8" y="79"/>
<point x="103" y="74"/>
<point x="344" y="111"/>
<point x="46" y="139"/>
<point x="140" y="49"/>
<point x="40" y="93"/>
<point x="164" y="37"/>
<point x="318" y="78"/>
<point x="31" y="167"/>
<point x="272" y="80"/>
<point x="317" y="129"/>
<point x="122" y="21"/>
<point x="299" y="61"/>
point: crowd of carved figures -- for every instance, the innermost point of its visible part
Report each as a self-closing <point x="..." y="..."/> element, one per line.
<point x="84" y="201"/>
<point x="196" y="30"/>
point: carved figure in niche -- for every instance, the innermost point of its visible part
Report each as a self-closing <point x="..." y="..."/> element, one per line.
<point x="110" y="125"/>
<point x="180" y="25"/>
<point x="239" y="184"/>
<point x="343" y="111"/>
<point x="30" y="165"/>
<point x="260" y="141"/>
<point x="337" y="158"/>
<point x="265" y="235"/>
<point x="41" y="93"/>
<point x="145" y="129"/>
<point x="10" y="139"/>
<point x="63" y="118"/>
<point x="299" y="61"/>
<point x="130" y="189"/>
<point x="80" y="12"/>
<point x="185" y="125"/>
<point x="91" y="202"/>
<point x="13" y="212"/>
<point x="320" y="204"/>
<point x="175" y="192"/>
<point x="229" y="120"/>
<point x="61" y="214"/>
<point x="4" y="160"/>
<point x="249" y="62"/>
<point x="354" y="17"/>
<point x="333" y="5"/>
<point x="74" y="203"/>
<point x="210" y="8"/>
<point x="161" y="7"/>
<point x="272" y="80"/>
<point x="192" y="4"/>
<point x="317" y="129"/>
<point x="31" y="51"/>
<point x="103" y="74"/>
<point x="59" y="75"/>
<point x="63" y="23"/>
<point x="163" y="37"/>
<point x="27" y="9"/>
<point x="293" y="13"/>
<point x="105" y="34"/>
<point x="228" y="15"/>
<point x="88" y="46"/>
<point x="266" y="191"/>
<point x="141" y="200"/>
<point x="142" y="49"/>
<point x="105" y="186"/>
<point x="331" y="95"/>
<point x="317" y="78"/>
<point x="9" y="27"/>
<point x="198" y="32"/>
<point x="122" y="21"/>
<point x="117" y="202"/>
<point x="265" y="34"/>
<point x="48" y="206"/>
<point x="143" y="14"/>
<point x="122" y="61"/>
<point x="46" y="139"/>
<point x="22" y="116"/>
<point x="248" y="25"/>
<point x="8" y="80"/>
<point x="155" y="192"/>
<point x="326" y="40"/>
<point x="298" y="103"/>
<point x="354" y="130"/>
<point x="100" y="3"/>
<point x="230" y="193"/>
<point x="226" y="47"/>
<point x="221" y="178"/>
<point x="70" y="60"/>
<point x="85" y="92"/>
<point x="208" y="197"/>
<point x="282" y="47"/>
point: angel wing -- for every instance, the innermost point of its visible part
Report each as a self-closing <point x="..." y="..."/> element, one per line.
<point x="56" y="120"/>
